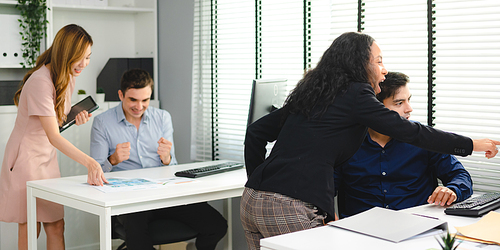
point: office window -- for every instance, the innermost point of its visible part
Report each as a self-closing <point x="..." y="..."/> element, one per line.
<point x="224" y="66"/>
<point x="201" y="115"/>
<point x="467" y="45"/>
<point x="400" y="29"/>
<point x="453" y="74"/>
<point x="238" y="41"/>
<point x="281" y="40"/>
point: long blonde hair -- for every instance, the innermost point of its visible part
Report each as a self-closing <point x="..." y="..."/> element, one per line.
<point x="69" y="47"/>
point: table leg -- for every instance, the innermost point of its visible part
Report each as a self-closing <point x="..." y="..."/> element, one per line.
<point x="32" y="240"/>
<point x="228" y="213"/>
<point x="105" y="229"/>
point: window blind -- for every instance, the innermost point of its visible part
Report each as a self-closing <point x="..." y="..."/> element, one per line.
<point x="400" y="29"/>
<point x="201" y="113"/>
<point x="238" y="41"/>
<point x="467" y="45"/>
<point x="222" y="80"/>
<point x="329" y="20"/>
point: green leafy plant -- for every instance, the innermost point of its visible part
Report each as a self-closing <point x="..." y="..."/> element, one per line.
<point x="81" y="92"/>
<point x="446" y="242"/>
<point x="33" y="24"/>
<point x="100" y="90"/>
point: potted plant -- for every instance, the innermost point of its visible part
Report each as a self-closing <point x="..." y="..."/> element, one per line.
<point x="33" y="23"/>
<point x="447" y="242"/>
<point x="100" y="94"/>
<point x="81" y="94"/>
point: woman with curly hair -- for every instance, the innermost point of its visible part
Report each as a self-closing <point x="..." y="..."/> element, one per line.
<point x="321" y="125"/>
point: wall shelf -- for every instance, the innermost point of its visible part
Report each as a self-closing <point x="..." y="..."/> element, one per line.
<point x="102" y="9"/>
<point x="12" y="66"/>
<point x="7" y="2"/>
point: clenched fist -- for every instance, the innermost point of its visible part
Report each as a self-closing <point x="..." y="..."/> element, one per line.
<point x="122" y="153"/>
<point x="164" y="147"/>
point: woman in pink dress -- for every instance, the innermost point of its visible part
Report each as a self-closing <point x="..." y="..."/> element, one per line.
<point x="44" y="100"/>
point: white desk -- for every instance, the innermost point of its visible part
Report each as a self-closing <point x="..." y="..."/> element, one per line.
<point x="329" y="237"/>
<point x="72" y="192"/>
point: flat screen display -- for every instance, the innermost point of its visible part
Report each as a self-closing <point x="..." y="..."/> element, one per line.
<point x="267" y="96"/>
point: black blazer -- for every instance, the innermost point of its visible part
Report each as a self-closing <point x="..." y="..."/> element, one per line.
<point x="306" y="151"/>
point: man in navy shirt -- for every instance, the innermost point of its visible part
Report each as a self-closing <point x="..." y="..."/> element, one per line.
<point x="388" y="173"/>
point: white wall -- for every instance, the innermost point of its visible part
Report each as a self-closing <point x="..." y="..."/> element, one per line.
<point x="175" y="63"/>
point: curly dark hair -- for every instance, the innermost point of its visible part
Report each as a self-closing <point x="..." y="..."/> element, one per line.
<point x="347" y="60"/>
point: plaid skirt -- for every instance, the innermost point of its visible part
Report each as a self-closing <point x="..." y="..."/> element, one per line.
<point x="265" y="214"/>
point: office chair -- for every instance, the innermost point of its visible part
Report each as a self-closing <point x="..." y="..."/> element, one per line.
<point x="163" y="231"/>
<point x="340" y="200"/>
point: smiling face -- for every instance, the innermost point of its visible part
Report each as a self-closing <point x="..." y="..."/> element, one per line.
<point x="135" y="102"/>
<point x="400" y="102"/>
<point x="77" y="67"/>
<point x="377" y="68"/>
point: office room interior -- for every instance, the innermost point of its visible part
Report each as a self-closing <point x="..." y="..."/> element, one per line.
<point x="453" y="64"/>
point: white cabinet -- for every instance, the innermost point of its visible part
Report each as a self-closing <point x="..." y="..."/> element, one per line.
<point x="120" y="29"/>
<point x="123" y="28"/>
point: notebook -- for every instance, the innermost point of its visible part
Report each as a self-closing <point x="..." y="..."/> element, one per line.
<point x="390" y="225"/>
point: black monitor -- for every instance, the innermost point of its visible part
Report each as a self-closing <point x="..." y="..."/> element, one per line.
<point x="267" y="95"/>
<point x="110" y="75"/>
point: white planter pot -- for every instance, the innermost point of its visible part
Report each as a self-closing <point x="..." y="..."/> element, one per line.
<point x="100" y="97"/>
<point x="81" y="97"/>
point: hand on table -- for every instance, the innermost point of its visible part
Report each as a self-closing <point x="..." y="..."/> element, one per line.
<point x="95" y="175"/>
<point x="442" y="196"/>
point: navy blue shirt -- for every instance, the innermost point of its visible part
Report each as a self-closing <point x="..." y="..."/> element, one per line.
<point x="396" y="176"/>
<point x="307" y="149"/>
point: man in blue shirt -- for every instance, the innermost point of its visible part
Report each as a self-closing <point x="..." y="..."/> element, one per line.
<point x="396" y="175"/>
<point x="134" y="136"/>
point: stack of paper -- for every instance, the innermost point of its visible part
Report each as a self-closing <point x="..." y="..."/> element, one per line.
<point x="486" y="230"/>
<point x="389" y="225"/>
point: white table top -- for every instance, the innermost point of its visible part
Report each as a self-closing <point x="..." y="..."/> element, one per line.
<point x="218" y="186"/>
<point x="329" y="237"/>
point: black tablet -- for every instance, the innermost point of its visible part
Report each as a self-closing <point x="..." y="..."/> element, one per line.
<point x="86" y="104"/>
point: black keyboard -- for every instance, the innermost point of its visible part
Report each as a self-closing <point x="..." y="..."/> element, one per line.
<point x="209" y="170"/>
<point x="475" y="206"/>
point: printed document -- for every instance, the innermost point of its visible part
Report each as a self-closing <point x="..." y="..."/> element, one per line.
<point x="118" y="184"/>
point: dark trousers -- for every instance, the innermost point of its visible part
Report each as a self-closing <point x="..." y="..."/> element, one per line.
<point x="201" y="217"/>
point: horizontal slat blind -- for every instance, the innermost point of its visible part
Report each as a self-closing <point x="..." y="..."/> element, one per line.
<point x="329" y="20"/>
<point x="222" y="77"/>
<point x="234" y="69"/>
<point x="467" y="79"/>
<point x="282" y="40"/>
<point x="201" y="114"/>
<point x="467" y="52"/>
<point x="400" y="28"/>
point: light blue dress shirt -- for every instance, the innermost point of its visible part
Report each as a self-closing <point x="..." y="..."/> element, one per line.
<point x="111" y="128"/>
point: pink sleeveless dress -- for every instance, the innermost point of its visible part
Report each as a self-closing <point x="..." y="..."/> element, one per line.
<point x="28" y="153"/>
